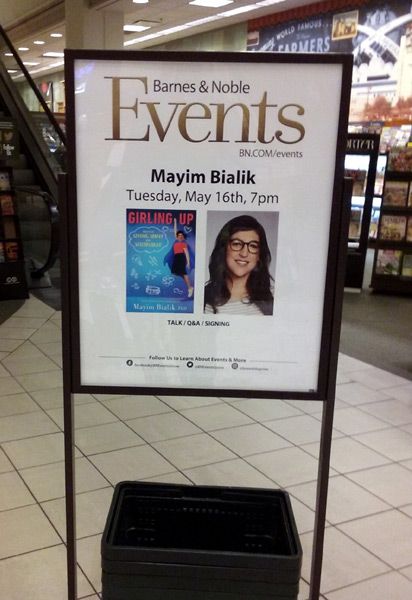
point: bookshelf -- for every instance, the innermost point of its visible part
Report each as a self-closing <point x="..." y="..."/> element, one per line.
<point x="392" y="266"/>
<point x="13" y="284"/>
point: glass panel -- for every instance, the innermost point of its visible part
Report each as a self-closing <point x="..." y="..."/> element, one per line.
<point x="380" y="174"/>
<point x="376" y="209"/>
<point x="356" y="167"/>
<point x="355" y="223"/>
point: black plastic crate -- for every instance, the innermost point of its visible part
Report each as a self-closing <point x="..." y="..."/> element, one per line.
<point x="215" y="583"/>
<point x="190" y="594"/>
<point x="228" y="543"/>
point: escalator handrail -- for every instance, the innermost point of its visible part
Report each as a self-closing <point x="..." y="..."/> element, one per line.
<point x="33" y="86"/>
<point x="53" y="211"/>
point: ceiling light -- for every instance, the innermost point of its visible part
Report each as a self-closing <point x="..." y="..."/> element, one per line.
<point x="211" y="3"/>
<point x="203" y="21"/>
<point x="144" y="38"/>
<point x="8" y="54"/>
<point x="174" y="29"/>
<point x="60" y="63"/>
<point x="135" y="28"/>
<point x="197" y="22"/>
<point x="152" y="36"/>
<point x="140" y="1"/>
<point x="38" y="42"/>
<point x="30" y="64"/>
<point x="23" y="49"/>
<point x="11" y="70"/>
<point x="56" y="35"/>
<point x="238" y="11"/>
<point x="268" y="2"/>
<point x="53" y="54"/>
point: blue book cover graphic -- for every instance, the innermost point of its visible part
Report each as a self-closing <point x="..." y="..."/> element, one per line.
<point x="160" y="260"/>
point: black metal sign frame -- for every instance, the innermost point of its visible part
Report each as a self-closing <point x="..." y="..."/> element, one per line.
<point x="320" y="392"/>
<point x="333" y="297"/>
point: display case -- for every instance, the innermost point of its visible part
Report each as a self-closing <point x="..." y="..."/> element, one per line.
<point x="12" y="267"/>
<point x="392" y="266"/>
<point x="361" y="165"/>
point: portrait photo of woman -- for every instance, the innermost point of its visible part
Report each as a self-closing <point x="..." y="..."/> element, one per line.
<point x="240" y="281"/>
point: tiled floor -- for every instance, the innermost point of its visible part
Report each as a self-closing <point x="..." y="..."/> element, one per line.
<point x="368" y="541"/>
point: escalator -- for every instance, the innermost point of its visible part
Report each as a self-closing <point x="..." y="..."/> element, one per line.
<point x="36" y="169"/>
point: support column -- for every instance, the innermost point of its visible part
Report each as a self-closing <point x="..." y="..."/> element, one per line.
<point x="91" y="28"/>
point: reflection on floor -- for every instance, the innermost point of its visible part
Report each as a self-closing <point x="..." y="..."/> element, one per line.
<point x="262" y="443"/>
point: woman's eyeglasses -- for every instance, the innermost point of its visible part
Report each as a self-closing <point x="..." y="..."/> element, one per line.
<point x="237" y="245"/>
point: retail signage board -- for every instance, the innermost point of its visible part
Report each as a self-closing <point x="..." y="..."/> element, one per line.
<point x="9" y="140"/>
<point x="204" y="208"/>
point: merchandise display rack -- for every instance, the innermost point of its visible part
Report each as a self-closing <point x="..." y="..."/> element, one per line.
<point x="360" y="164"/>
<point x="13" y="284"/>
<point x="392" y="265"/>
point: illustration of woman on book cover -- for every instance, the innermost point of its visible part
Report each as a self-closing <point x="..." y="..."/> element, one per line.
<point x="179" y="262"/>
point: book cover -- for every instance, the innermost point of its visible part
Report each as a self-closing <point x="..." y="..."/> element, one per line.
<point x="7" y="206"/>
<point x="407" y="265"/>
<point x="409" y="230"/>
<point x="410" y="195"/>
<point x="4" y="181"/>
<point x="2" y="256"/>
<point x="9" y="227"/>
<point x="388" y="262"/>
<point x="160" y="260"/>
<point x="12" y="251"/>
<point x="400" y="159"/>
<point x="395" y="193"/>
<point x="392" y="227"/>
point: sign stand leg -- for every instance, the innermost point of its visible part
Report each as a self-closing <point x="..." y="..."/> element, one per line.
<point x="329" y="404"/>
<point x="70" y="496"/>
<point x="67" y="395"/>
<point x="321" y="499"/>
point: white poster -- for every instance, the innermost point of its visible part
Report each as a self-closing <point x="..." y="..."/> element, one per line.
<point x="204" y="198"/>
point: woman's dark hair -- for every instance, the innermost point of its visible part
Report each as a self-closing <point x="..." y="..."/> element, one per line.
<point x="259" y="282"/>
<point x="182" y="232"/>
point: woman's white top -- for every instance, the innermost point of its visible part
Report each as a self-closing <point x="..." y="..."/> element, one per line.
<point x="235" y="307"/>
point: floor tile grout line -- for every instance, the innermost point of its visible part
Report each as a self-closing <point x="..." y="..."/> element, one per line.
<point x="389" y="428"/>
<point x="144" y="442"/>
<point x="391" y="567"/>
<point x="381" y="418"/>
<point x="27" y="552"/>
<point x="389" y="507"/>
<point x="83" y="571"/>
<point x="359" y="407"/>
<point x="235" y="457"/>
<point x="351" y="585"/>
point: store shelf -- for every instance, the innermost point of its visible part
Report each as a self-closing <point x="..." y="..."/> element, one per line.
<point x="392" y="267"/>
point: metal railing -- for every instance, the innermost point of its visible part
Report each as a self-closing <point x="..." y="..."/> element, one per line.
<point x="39" y="225"/>
<point x="44" y="141"/>
<point x="21" y="74"/>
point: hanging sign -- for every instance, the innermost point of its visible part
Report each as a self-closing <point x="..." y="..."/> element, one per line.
<point x="204" y="192"/>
